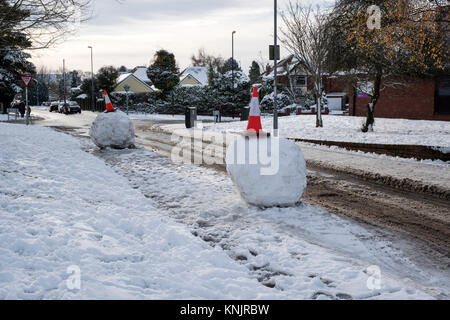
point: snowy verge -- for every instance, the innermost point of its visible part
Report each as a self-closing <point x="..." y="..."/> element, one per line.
<point x="346" y="128"/>
<point x="406" y="174"/>
<point x="61" y="207"/>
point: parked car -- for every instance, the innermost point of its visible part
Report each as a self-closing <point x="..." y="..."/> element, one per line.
<point x="69" y="107"/>
<point x="54" y="106"/>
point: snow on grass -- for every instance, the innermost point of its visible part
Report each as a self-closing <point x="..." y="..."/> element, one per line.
<point x="345" y="128"/>
<point x="60" y="206"/>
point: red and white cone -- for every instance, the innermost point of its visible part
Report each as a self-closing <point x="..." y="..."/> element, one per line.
<point x="254" y="117"/>
<point x="109" y="106"/>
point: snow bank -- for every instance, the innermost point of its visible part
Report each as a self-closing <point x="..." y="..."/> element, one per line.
<point x="112" y="129"/>
<point x="62" y="207"/>
<point x="279" y="180"/>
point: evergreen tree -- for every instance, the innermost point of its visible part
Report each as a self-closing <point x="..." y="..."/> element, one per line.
<point x="254" y="72"/>
<point x="163" y="72"/>
<point x="86" y="87"/>
<point x="13" y="60"/>
<point x="75" y="82"/>
<point x="232" y="99"/>
<point x="107" y="78"/>
<point x="229" y="65"/>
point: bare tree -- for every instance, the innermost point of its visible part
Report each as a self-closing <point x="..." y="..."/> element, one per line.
<point x="44" y="22"/>
<point x="305" y="35"/>
<point x="204" y="59"/>
<point x="263" y="62"/>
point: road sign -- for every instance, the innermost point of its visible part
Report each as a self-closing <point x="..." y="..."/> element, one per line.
<point x="273" y="54"/>
<point x="26" y="80"/>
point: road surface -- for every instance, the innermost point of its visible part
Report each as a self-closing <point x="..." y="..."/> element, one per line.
<point x="415" y="224"/>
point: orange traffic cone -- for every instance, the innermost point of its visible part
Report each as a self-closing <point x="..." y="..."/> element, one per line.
<point x="254" y="118"/>
<point x="109" y="106"/>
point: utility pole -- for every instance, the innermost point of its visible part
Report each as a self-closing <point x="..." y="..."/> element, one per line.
<point x="64" y="81"/>
<point x="232" y="65"/>
<point x="275" y="108"/>
<point x="92" y="80"/>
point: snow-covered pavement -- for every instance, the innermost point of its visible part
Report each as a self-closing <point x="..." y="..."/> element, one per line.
<point x="62" y="208"/>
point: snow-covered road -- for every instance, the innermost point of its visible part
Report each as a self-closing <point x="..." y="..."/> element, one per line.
<point x="300" y="252"/>
<point x="293" y="253"/>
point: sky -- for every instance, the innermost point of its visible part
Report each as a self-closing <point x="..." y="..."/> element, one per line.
<point x="129" y="32"/>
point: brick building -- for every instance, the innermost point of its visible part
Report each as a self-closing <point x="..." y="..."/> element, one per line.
<point x="421" y="99"/>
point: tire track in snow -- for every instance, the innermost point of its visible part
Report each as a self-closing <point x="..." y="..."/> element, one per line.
<point x="304" y="250"/>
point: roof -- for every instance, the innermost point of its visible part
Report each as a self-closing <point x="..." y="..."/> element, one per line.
<point x="141" y="74"/>
<point x="124" y="77"/>
<point x="289" y="63"/>
<point x="198" y="73"/>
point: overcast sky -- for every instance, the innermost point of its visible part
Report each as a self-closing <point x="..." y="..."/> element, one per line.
<point x="129" y="32"/>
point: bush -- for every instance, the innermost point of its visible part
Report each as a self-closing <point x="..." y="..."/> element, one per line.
<point x="283" y="100"/>
<point x="205" y="99"/>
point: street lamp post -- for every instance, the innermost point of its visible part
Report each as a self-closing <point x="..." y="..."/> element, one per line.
<point x="64" y="82"/>
<point x="232" y="57"/>
<point x="92" y="80"/>
<point x="232" y="64"/>
<point x="275" y="109"/>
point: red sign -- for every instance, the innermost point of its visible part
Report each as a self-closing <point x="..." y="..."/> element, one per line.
<point x="26" y="80"/>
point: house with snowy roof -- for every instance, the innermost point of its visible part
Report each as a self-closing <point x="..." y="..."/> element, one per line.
<point x="137" y="80"/>
<point x="289" y="74"/>
<point x="194" y="76"/>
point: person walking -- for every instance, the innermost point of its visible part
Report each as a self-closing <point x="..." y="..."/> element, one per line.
<point x="21" y="106"/>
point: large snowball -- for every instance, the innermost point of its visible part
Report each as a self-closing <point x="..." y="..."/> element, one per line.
<point x="112" y="129"/>
<point x="267" y="171"/>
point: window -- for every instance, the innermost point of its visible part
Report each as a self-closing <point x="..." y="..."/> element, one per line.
<point x="442" y="98"/>
<point x="301" y="81"/>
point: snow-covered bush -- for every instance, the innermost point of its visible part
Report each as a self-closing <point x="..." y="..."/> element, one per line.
<point x="139" y="102"/>
<point x="232" y="99"/>
<point x="283" y="100"/>
<point x="266" y="87"/>
<point x="204" y="98"/>
<point x="192" y="96"/>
